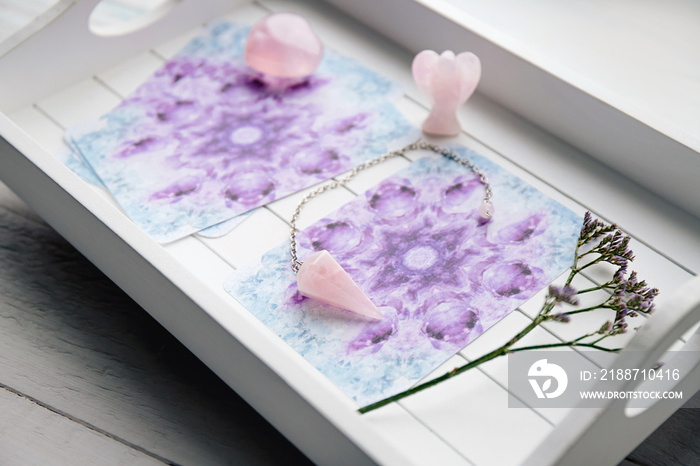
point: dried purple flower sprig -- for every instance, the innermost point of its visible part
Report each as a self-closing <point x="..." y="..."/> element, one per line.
<point x="627" y="297"/>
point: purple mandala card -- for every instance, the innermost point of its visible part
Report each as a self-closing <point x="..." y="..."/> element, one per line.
<point x="414" y="244"/>
<point x="204" y="139"/>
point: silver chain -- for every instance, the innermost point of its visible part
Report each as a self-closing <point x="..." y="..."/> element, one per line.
<point x="419" y="145"/>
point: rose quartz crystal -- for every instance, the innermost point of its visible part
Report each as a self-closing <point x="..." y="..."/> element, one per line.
<point x="486" y="210"/>
<point x="284" y="46"/>
<point x="321" y="278"/>
<point x="449" y="81"/>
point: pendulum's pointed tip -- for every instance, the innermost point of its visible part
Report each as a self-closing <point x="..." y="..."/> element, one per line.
<point x="320" y="277"/>
<point x="373" y="312"/>
<point x="367" y="309"/>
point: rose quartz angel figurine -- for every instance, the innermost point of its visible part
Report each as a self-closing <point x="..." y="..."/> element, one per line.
<point x="449" y="81"/>
<point x="283" y="48"/>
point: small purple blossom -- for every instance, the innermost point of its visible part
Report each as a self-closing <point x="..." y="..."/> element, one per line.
<point x="620" y="274"/>
<point x="594" y="229"/>
<point x="564" y="294"/>
<point x="612" y="247"/>
<point x="631" y="296"/>
<point x="560" y="317"/>
<point x="618" y="260"/>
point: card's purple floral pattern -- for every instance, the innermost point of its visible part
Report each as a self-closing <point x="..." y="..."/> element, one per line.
<point x="205" y="139"/>
<point x="415" y="245"/>
<point x="70" y="158"/>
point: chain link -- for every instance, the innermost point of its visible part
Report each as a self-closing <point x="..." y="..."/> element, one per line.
<point x="418" y="145"/>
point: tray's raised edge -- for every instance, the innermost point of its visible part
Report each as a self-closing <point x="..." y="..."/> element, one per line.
<point x="640" y="147"/>
<point x="34" y="58"/>
<point x="280" y="387"/>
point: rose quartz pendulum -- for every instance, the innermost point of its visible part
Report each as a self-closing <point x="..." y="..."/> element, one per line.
<point x="321" y="278"/>
<point x="282" y="46"/>
<point x="449" y="81"/>
<point x="486" y="210"/>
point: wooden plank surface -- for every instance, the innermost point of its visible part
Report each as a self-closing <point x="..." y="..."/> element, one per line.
<point x="62" y="439"/>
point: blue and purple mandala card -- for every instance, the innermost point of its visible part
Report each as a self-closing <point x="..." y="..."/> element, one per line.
<point x="204" y="139"/>
<point x="415" y="246"/>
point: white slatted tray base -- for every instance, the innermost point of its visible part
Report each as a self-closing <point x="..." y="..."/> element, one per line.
<point x="465" y="420"/>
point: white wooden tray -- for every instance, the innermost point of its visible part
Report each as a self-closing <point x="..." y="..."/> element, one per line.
<point x="57" y="73"/>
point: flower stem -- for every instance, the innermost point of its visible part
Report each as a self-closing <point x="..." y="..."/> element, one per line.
<point x="597" y="260"/>
<point x="604" y="286"/>
<point x="587" y="309"/>
<point x="568" y="343"/>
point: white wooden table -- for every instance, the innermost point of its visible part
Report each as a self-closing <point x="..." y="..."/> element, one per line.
<point x="99" y="382"/>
